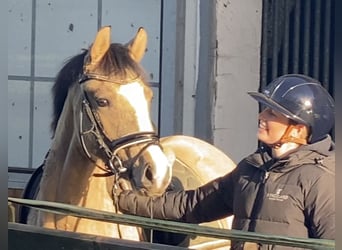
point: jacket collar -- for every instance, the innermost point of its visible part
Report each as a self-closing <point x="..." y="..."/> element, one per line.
<point x="316" y="153"/>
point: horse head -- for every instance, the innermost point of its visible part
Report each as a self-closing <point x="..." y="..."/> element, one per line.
<point x="115" y="129"/>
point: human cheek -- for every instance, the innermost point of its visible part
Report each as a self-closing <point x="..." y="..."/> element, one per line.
<point x="262" y="130"/>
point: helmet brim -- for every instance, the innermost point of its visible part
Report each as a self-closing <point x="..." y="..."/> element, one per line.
<point x="268" y="102"/>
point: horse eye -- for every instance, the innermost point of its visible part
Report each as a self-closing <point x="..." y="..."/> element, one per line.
<point x="102" y="102"/>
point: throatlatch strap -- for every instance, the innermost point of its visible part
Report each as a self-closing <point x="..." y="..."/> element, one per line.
<point x="288" y="138"/>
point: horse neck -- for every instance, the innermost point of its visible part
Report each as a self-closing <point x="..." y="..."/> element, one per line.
<point x="66" y="130"/>
<point x="71" y="169"/>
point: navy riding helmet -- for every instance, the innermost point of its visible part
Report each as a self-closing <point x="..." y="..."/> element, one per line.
<point x="301" y="99"/>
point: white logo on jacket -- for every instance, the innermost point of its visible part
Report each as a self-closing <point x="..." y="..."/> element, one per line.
<point x="277" y="196"/>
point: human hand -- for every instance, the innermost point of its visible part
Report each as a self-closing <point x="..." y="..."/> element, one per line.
<point x="124" y="184"/>
<point x="127" y="201"/>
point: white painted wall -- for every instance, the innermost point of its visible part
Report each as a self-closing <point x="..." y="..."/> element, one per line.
<point x="238" y="60"/>
<point x="234" y="113"/>
<point x="191" y="57"/>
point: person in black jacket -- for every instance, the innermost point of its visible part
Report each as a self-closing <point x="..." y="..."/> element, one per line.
<point x="286" y="187"/>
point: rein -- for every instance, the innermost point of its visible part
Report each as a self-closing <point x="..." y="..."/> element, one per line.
<point x="114" y="163"/>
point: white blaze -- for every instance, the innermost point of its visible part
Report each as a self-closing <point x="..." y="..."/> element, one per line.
<point x="134" y="94"/>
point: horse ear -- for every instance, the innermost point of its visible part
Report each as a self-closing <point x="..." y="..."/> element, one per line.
<point x="137" y="46"/>
<point x="100" y="45"/>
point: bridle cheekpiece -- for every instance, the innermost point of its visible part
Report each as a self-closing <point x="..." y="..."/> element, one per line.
<point x="109" y="147"/>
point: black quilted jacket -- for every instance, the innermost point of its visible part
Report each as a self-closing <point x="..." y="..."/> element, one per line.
<point x="293" y="196"/>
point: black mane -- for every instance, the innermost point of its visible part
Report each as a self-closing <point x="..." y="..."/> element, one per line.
<point x="116" y="62"/>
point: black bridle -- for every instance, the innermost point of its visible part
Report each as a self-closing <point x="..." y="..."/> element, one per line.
<point x="110" y="147"/>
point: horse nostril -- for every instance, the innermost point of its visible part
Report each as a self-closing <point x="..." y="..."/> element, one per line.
<point x="148" y="173"/>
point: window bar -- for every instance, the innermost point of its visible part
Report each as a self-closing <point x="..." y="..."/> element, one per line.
<point x="316" y="39"/>
<point x="264" y="44"/>
<point x="275" y="34"/>
<point x="306" y="49"/>
<point x="296" y="37"/>
<point x="286" y="39"/>
<point x="326" y="44"/>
